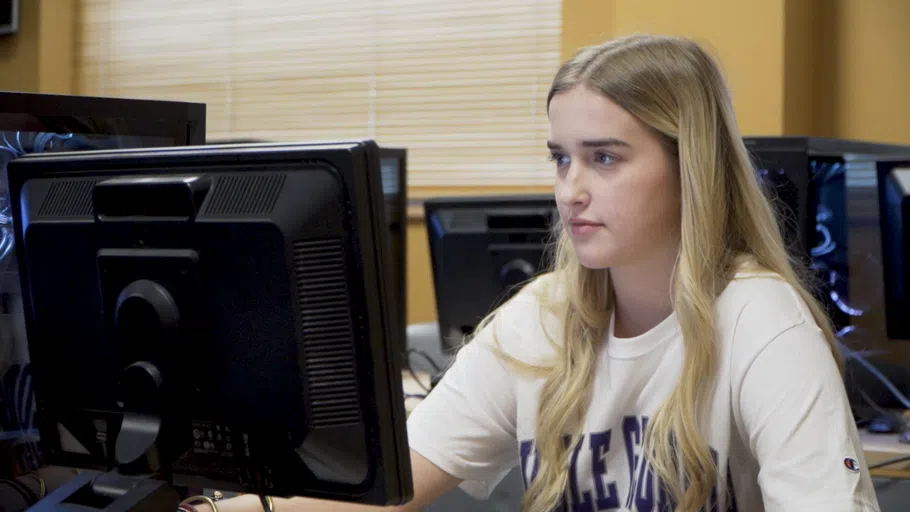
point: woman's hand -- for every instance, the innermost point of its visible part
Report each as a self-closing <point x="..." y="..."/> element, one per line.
<point x="430" y="483"/>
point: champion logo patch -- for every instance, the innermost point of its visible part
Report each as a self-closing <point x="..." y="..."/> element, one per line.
<point x="851" y="464"/>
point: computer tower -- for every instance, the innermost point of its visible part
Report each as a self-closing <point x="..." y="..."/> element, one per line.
<point x="825" y="190"/>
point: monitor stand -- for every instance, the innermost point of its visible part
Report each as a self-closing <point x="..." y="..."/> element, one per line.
<point x="145" y="437"/>
<point x="110" y="492"/>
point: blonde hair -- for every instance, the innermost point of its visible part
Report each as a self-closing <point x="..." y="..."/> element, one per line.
<point x="674" y="87"/>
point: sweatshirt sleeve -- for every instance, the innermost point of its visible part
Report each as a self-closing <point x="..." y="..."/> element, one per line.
<point x="798" y="424"/>
<point x="467" y="424"/>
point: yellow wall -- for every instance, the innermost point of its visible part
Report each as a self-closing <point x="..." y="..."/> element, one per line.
<point x="57" y="46"/>
<point x="40" y="57"/>
<point x="872" y="75"/>
<point x="19" y="52"/>
<point x="835" y="68"/>
<point x="746" y="35"/>
<point x="585" y="23"/>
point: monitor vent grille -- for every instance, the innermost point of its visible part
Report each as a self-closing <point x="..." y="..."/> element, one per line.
<point x="68" y="198"/>
<point x="250" y="194"/>
<point x="328" y="332"/>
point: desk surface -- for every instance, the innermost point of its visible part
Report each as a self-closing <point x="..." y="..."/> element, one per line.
<point x="413" y="389"/>
<point x="881" y="447"/>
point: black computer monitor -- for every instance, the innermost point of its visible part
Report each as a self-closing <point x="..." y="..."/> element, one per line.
<point x="215" y="317"/>
<point x="894" y="219"/>
<point x="394" y="164"/>
<point x="483" y="249"/>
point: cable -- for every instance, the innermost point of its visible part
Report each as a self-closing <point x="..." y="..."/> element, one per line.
<point x="410" y="369"/>
<point x="897" y="419"/>
<point x="835" y="170"/>
<point x="6" y="240"/>
<point x="417" y="380"/>
<point x="816" y="172"/>
<point x="827" y="246"/>
<point x="824" y="172"/>
<point x="39" y="145"/>
<point x="852" y="354"/>
<point x="842" y="305"/>
<point x="426" y="358"/>
<point x="890" y="462"/>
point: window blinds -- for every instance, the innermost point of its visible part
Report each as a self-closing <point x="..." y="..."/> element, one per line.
<point x="460" y="83"/>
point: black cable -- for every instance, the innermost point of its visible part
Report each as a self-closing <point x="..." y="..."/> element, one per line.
<point x="890" y="462"/>
<point x="410" y="368"/>
<point x="417" y="380"/>
<point x="855" y="355"/>
<point x="426" y="358"/>
<point x="896" y="418"/>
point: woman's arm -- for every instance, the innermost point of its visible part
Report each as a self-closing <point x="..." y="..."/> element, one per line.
<point x="430" y="483"/>
<point x="799" y="426"/>
<point x="464" y="431"/>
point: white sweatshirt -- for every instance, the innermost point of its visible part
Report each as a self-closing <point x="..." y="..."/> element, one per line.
<point x="780" y="424"/>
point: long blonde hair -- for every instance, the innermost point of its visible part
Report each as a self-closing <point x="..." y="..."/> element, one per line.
<point x="674" y="87"/>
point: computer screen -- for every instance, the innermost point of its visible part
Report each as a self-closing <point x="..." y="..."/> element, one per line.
<point x="47" y="123"/>
<point x="215" y="316"/>
<point x="483" y="249"/>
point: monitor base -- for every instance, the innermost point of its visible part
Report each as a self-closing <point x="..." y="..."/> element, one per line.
<point x="110" y="492"/>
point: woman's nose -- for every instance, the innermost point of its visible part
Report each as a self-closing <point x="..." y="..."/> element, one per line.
<point x="573" y="190"/>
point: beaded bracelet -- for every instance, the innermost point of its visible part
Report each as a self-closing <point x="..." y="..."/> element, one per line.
<point x="198" y="499"/>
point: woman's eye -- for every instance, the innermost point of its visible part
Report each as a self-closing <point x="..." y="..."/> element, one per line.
<point x="559" y="158"/>
<point x="604" y="158"/>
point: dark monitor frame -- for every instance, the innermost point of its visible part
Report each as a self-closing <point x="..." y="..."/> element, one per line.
<point x="895" y="266"/>
<point x="182" y="121"/>
<point x="11" y="26"/>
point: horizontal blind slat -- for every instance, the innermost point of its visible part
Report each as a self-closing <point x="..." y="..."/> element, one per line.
<point x="461" y="84"/>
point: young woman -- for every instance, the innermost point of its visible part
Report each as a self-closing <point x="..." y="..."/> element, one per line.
<point x="672" y="359"/>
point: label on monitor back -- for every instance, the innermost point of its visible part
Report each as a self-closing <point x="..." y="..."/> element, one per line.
<point x="214" y="439"/>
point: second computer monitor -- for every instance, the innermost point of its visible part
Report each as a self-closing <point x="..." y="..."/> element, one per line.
<point x="894" y="218"/>
<point x="483" y="249"/>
